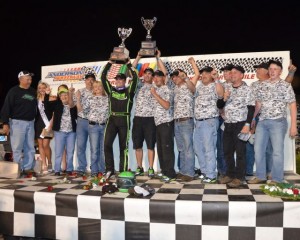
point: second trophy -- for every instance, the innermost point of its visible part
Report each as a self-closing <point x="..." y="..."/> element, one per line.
<point x="148" y="47"/>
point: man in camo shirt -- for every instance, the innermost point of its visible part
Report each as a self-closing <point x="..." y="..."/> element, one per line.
<point x="274" y="95"/>
<point x="163" y="116"/>
<point x="221" y="162"/>
<point x="184" y="120"/>
<point x="239" y="109"/>
<point x="207" y="122"/>
<point x="144" y="128"/>
<point x="82" y="130"/>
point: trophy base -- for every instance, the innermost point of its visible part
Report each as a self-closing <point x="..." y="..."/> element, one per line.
<point x="149" y="44"/>
<point x="148" y="52"/>
<point x="119" y="55"/>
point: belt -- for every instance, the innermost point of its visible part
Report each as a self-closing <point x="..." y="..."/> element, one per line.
<point x="203" y="119"/>
<point x="119" y="114"/>
<point x="95" y="123"/>
<point x="182" y="119"/>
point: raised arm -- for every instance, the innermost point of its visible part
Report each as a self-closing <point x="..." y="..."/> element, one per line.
<point x="106" y="84"/>
<point x="194" y="79"/>
<point x="219" y="87"/>
<point x="136" y="60"/>
<point x="292" y="69"/>
<point x="134" y="81"/>
<point x="160" y="64"/>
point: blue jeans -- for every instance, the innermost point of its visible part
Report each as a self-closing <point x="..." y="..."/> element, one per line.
<point x="64" y="140"/>
<point x="273" y="130"/>
<point x="22" y="142"/>
<point x="250" y="159"/>
<point x="221" y="162"/>
<point x="82" y="132"/>
<point x="205" y="140"/>
<point x="184" y="141"/>
<point x="96" y="136"/>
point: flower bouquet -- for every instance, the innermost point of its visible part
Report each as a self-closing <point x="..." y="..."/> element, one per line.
<point x="283" y="190"/>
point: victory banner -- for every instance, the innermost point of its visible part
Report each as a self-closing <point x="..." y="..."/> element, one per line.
<point x="68" y="74"/>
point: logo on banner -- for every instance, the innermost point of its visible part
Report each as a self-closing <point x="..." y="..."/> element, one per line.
<point x="71" y="74"/>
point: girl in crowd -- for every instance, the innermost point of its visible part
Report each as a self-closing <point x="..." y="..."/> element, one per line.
<point x="43" y="121"/>
<point x="64" y="127"/>
<point x="98" y="115"/>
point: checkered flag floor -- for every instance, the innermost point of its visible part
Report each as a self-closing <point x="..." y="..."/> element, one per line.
<point x="176" y="211"/>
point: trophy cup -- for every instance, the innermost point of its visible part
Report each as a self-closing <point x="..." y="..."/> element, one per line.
<point x="121" y="54"/>
<point x="148" y="47"/>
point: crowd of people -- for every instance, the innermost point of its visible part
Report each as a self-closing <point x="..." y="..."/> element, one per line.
<point x="211" y="121"/>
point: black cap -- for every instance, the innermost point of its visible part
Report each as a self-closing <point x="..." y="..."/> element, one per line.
<point x="149" y="70"/>
<point x="90" y="75"/>
<point x="262" y="65"/>
<point x="275" y="62"/>
<point x="159" y="73"/>
<point x="176" y="72"/>
<point x="206" y="69"/>
<point x="120" y="76"/>
<point x="239" y="68"/>
<point x="228" y="67"/>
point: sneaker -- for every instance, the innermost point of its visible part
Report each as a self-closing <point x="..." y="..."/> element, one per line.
<point x="235" y="183"/>
<point x="209" y="180"/>
<point x="166" y="179"/>
<point x="225" y="180"/>
<point x="150" y="172"/>
<point x="201" y="177"/>
<point x="256" y="181"/>
<point x="269" y="177"/>
<point x="186" y="178"/>
<point x="139" y="171"/>
<point x="197" y="172"/>
<point x="109" y="175"/>
<point x="57" y="174"/>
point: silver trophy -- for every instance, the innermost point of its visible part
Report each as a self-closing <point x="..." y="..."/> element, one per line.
<point x="148" y="47"/>
<point x="121" y="54"/>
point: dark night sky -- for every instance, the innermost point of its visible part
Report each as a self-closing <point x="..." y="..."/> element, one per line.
<point x="37" y="33"/>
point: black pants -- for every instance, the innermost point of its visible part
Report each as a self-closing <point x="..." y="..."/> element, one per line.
<point x="231" y="144"/>
<point x="165" y="148"/>
<point x="116" y="125"/>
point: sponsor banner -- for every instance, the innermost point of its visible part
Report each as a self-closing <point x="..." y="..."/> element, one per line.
<point x="68" y="74"/>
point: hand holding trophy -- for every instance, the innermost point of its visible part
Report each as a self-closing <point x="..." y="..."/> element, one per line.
<point x="148" y="47"/>
<point x="121" y="54"/>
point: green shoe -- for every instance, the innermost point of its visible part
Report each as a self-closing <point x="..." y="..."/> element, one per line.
<point x="166" y="179"/>
<point x="139" y="171"/>
<point x="150" y="172"/>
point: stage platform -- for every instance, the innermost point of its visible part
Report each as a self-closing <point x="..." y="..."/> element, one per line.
<point x="176" y="211"/>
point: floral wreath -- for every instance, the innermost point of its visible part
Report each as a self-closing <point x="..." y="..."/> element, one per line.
<point x="283" y="190"/>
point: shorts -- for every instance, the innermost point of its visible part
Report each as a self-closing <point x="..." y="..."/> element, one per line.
<point x="143" y="129"/>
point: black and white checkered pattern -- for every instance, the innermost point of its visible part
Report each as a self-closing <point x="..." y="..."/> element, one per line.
<point x="176" y="211"/>
<point x="246" y="63"/>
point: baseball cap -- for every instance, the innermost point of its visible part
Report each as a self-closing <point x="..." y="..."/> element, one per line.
<point x="275" y="62"/>
<point x="206" y="69"/>
<point x="120" y="76"/>
<point x="25" y="73"/>
<point x="262" y="65"/>
<point x="149" y="70"/>
<point x="159" y="73"/>
<point x="239" y="68"/>
<point x="176" y="72"/>
<point x="90" y="75"/>
<point x="63" y="90"/>
<point x="227" y="67"/>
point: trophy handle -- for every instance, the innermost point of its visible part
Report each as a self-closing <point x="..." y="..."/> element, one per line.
<point x="129" y="31"/>
<point x="154" y="21"/>
<point x="143" y="20"/>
